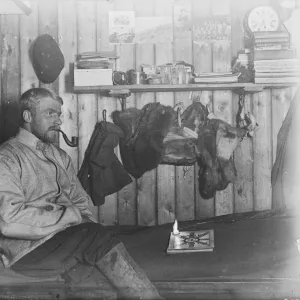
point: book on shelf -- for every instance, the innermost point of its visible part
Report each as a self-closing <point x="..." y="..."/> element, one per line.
<point x="271" y="34"/>
<point x="216" y="77"/>
<point x="271" y="42"/>
<point x="110" y="54"/>
<point x="257" y="40"/>
<point x="277" y="62"/>
<point x="213" y="74"/>
<point x="276" y="80"/>
<point x="191" y="241"/>
<point x="277" y="74"/>
<point x="270" y="70"/>
<point x="272" y="47"/>
<point x="273" y="54"/>
<point x="87" y="64"/>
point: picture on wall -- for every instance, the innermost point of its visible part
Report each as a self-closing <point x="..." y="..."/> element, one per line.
<point x="121" y="27"/>
<point x="153" y="30"/>
<point x="182" y="19"/>
<point x="212" y="28"/>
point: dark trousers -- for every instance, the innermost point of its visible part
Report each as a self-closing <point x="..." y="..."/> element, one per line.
<point x="72" y="253"/>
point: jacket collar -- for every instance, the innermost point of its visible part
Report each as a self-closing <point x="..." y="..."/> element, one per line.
<point x="30" y="140"/>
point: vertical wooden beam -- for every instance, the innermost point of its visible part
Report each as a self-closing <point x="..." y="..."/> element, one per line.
<point x="48" y="24"/>
<point x="165" y="173"/>
<point x="28" y="33"/>
<point x="146" y="185"/>
<point x="262" y="150"/>
<point x="87" y="104"/>
<point x="222" y="100"/>
<point x="243" y="159"/>
<point x="10" y="75"/>
<point x="67" y="37"/>
<point x="127" y="197"/>
<point x="185" y="189"/>
<point x="108" y="211"/>
<point x="243" y="156"/>
<point x="223" y="110"/>
<point x="202" y="61"/>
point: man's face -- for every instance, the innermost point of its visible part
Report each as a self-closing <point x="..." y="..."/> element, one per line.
<point x="46" y="118"/>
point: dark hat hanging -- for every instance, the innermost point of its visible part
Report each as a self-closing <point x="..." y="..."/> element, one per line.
<point x="47" y="58"/>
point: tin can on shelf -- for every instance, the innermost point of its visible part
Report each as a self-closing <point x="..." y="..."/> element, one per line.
<point x="136" y="77"/>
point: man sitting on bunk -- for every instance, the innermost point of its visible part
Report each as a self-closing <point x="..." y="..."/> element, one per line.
<point x="46" y="221"/>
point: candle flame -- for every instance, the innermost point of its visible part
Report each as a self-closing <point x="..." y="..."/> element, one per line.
<point x="175" y="228"/>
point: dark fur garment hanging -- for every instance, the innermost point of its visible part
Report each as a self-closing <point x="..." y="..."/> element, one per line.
<point x="216" y="142"/>
<point x="158" y="134"/>
<point x="144" y="131"/>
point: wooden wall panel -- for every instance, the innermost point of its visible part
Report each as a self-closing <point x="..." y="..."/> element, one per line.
<point x="243" y="158"/>
<point x="10" y="75"/>
<point x="127" y="197"/>
<point x="48" y="14"/>
<point x="28" y="33"/>
<point x="202" y="61"/>
<point x="166" y="192"/>
<point x="67" y="37"/>
<point x="108" y="212"/>
<point x="185" y="184"/>
<point x="87" y="104"/>
<point x="146" y="185"/>
<point x="222" y="100"/>
<point x="262" y="151"/>
<point x="165" y="173"/>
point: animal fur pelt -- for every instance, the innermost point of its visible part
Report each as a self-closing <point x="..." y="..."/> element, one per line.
<point x="144" y="131"/>
<point x="180" y="143"/>
<point x="215" y="145"/>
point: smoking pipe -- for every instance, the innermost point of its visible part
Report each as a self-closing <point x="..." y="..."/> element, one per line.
<point x="73" y="143"/>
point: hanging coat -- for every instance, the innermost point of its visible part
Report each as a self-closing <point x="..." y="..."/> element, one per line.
<point x="101" y="173"/>
<point x="144" y="131"/>
<point x="286" y="169"/>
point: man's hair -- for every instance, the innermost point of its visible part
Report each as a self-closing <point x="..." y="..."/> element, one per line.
<point x="32" y="97"/>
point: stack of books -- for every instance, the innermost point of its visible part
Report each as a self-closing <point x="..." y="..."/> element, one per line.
<point x="277" y="70"/>
<point x="96" y="60"/>
<point x="274" y="60"/>
<point x="94" y="68"/>
<point x="216" y="77"/>
<point x="272" y="45"/>
<point x="271" y="40"/>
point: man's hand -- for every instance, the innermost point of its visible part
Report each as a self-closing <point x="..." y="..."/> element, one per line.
<point x="85" y="219"/>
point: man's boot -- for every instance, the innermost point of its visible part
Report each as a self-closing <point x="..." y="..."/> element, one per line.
<point x="125" y="275"/>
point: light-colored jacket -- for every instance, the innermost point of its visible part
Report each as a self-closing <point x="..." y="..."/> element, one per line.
<point x="40" y="195"/>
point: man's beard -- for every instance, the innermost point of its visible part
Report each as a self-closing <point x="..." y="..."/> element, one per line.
<point x="49" y="137"/>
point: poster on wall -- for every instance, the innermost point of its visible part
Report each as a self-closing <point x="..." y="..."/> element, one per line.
<point x="121" y="27"/>
<point x="182" y="19"/>
<point x="212" y="28"/>
<point x="153" y="30"/>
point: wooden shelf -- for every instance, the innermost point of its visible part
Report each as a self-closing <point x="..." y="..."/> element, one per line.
<point x="143" y="88"/>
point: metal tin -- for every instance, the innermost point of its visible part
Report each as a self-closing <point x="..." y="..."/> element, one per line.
<point x="136" y="77"/>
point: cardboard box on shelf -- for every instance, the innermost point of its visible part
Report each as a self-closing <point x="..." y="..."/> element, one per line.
<point x="92" y="77"/>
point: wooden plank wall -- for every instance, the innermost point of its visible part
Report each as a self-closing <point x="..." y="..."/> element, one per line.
<point x="167" y="192"/>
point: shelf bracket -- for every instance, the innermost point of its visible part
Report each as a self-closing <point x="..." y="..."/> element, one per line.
<point x="249" y="90"/>
<point x="121" y="95"/>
